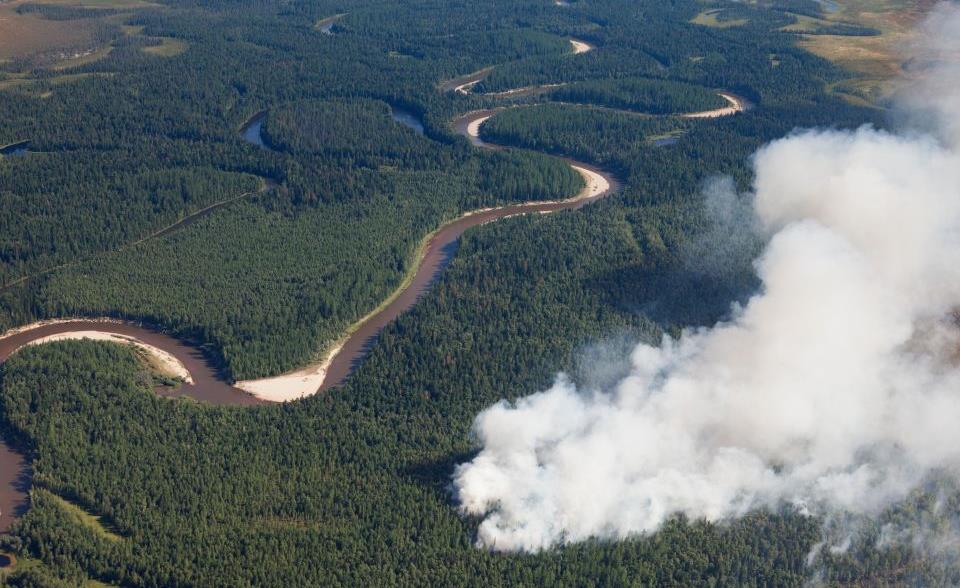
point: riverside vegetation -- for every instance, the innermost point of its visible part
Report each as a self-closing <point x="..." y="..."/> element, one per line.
<point x="351" y="487"/>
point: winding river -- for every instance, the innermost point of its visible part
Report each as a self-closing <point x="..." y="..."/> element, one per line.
<point x="434" y="255"/>
<point x="205" y="384"/>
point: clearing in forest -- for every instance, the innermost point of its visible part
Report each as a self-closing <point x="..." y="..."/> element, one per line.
<point x="875" y="60"/>
<point x="711" y="18"/>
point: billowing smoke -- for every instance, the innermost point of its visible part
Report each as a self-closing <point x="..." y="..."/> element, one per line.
<point x="836" y="388"/>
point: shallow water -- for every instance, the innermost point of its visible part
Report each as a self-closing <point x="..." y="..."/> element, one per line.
<point x="406" y="118"/>
<point x="252" y="132"/>
<point x="16" y="150"/>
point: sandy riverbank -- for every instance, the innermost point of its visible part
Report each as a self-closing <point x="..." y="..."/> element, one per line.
<point x="737" y="105"/>
<point x="49" y="322"/>
<point x="473" y="129"/>
<point x="580" y="47"/>
<point x="164" y="362"/>
<point x="309" y="380"/>
<point x="292" y="386"/>
<point x="465" y="88"/>
<point x="541" y="89"/>
<point x="596" y="184"/>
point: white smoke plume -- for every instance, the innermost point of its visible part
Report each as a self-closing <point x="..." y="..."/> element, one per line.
<point x="835" y="388"/>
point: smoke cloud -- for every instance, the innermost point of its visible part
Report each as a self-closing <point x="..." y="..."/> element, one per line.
<point x="836" y="388"/>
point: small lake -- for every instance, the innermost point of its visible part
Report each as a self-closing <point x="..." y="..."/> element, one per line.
<point x="406" y="118"/>
<point x="16" y="149"/>
<point x="252" y="132"/>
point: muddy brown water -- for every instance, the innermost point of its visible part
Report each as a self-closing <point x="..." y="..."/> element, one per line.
<point x="15" y="471"/>
<point x="437" y="255"/>
<point x="15" y="478"/>
<point x="207" y="384"/>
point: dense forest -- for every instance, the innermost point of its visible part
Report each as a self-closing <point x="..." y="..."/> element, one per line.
<point x="318" y="226"/>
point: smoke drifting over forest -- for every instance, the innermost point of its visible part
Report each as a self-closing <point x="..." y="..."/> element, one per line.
<point x="836" y="388"/>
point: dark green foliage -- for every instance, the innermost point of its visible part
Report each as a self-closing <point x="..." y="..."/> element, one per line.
<point x="56" y="208"/>
<point x="61" y="12"/>
<point x="350" y="488"/>
<point x="641" y="95"/>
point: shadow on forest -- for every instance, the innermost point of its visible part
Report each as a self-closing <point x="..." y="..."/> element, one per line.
<point x="674" y="296"/>
<point x="437" y="475"/>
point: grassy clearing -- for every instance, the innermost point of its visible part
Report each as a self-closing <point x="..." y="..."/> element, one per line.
<point x="71" y="78"/>
<point x="22" y="564"/>
<point x="13" y="83"/>
<point x="666" y="138"/>
<point x="103" y="4"/>
<point x="876" y="61"/>
<point x="82" y="58"/>
<point x="82" y="517"/>
<point x="29" y="88"/>
<point x="168" y="47"/>
<point x="24" y="35"/>
<point x="862" y="92"/>
<point x="711" y="18"/>
<point x="40" y="88"/>
<point x="66" y="43"/>
<point x="804" y="24"/>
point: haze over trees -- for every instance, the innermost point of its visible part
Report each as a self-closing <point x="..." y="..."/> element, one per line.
<point x="351" y="487"/>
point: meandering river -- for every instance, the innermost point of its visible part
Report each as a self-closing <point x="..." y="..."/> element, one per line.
<point x="443" y="244"/>
<point x="206" y="383"/>
<point x="15" y="471"/>
<point x="436" y="253"/>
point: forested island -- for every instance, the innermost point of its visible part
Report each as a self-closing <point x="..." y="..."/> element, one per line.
<point x="129" y="190"/>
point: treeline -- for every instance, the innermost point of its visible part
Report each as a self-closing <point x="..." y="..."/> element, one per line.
<point x="277" y="285"/>
<point x="354" y="133"/>
<point x="641" y="95"/>
<point x="350" y="488"/>
<point x="64" y="12"/>
<point x="55" y="209"/>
